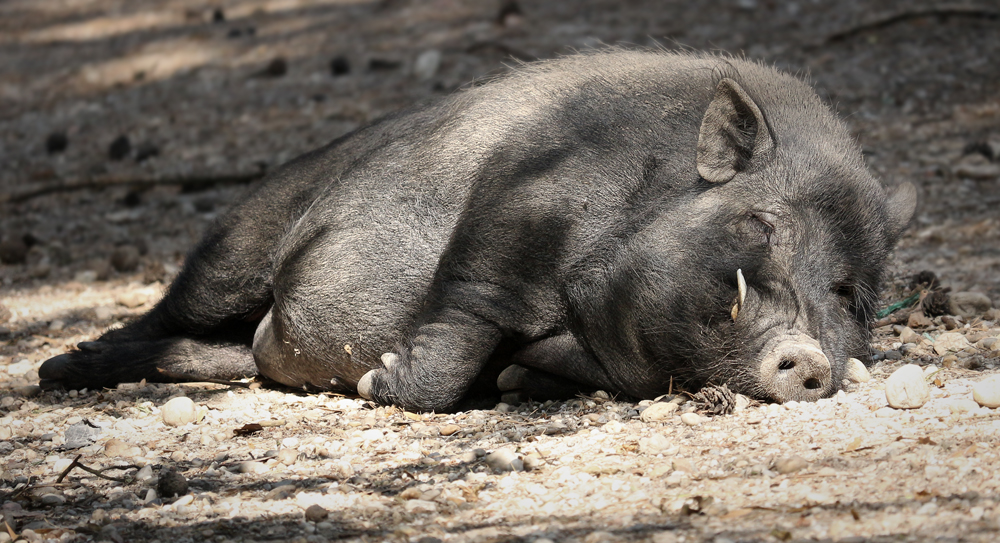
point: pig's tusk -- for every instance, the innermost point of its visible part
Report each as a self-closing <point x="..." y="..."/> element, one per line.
<point x="738" y="303"/>
<point x="743" y="286"/>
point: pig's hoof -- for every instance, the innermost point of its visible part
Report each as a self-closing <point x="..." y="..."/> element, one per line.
<point x="54" y="369"/>
<point x="365" y="384"/>
<point x="388" y="359"/>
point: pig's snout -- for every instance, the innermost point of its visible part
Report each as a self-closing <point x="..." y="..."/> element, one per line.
<point x="796" y="369"/>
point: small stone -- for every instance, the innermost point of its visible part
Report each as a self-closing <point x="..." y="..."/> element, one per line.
<point x="960" y="406"/>
<point x="144" y="474"/>
<point x="20" y="367"/>
<point x="950" y="342"/>
<point x="886" y="413"/>
<point x="179" y="411"/>
<point x="906" y="388"/>
<point x="658" y="412"/>
<point x="119" y="148"/>
<point x="102" y="313"/>
<point x="288" y="456"/>
<point x="683" y="464"/>
<point x="893" y="355"/>
<point x="427" y="64"/>
<point x="132" y="299"/>
<point x="449" y="429"/>
<point x="125" y="258"/>
<point x="503" y="408"/>
<point x="532" y="462"/>
<point x="28" y="391"/>
<point x="171" y="484"/>
<point x="115" y="448"/>
<point x="53" y="499"/>
<point x="987" y="392"/>
<point x="13" y="251"/>
<point x="411" y="493"/>
<point x="654" y="444"/>
<point x="951" y="323"/>
<point x="857" y="372"/>
<point x="80" y="434"/>
<point x="790" y="464"/>
<point x="692" y="419"/>
<point x="250" y="467"/>
<point x="909" y="336"/>
<point x="504" y="460"/>
<point x="316" y="513"/>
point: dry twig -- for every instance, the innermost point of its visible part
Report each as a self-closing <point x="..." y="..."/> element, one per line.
<point x="889" y="20"/>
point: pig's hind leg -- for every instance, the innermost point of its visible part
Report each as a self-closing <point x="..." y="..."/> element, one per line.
<point x="173" y="359"/>
<point x="201" y="330"/>
<point x="203" y="327"/>
<point x="555" y="368"/>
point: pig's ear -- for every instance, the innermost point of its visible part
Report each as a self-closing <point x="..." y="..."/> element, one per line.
<point x="733" y="132"/>
<point x="900" y="206"/>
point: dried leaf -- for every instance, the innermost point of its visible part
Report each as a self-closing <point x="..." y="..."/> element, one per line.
<point x="248" y="429"/>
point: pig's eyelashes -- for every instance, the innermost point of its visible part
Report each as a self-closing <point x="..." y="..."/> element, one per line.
<point x="760" y="227"/>
<point x="764" y="226"/>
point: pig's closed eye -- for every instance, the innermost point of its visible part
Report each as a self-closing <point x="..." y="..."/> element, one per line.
<point x="762" y="226"/>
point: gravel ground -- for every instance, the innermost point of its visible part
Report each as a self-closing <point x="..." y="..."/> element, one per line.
<point x="206" y="107"/>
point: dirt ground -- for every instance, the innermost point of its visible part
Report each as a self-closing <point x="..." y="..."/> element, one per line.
<point x="210" y="96"/>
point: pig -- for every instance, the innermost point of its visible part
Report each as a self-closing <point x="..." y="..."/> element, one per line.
<point x="620" y="220"/>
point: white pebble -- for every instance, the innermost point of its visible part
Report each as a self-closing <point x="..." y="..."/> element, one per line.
<point x="692" y="419"/>
<point x="179" y="411"/>
<point x="857" y="372"/>
<point x="987" y="392"/>
<point x="906" y="388"/>
<point x="659" y="411"/>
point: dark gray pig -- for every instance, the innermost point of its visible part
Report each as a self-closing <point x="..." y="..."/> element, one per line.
<point x="615" y="220"/>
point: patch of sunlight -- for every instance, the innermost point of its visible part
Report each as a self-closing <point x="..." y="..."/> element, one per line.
<point x="153" y="62"/>
<point x="255" y="7"/>
<point x="105" y="27"/>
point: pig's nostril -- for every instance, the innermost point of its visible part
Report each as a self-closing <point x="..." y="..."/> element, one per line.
<point x="812" y="384"/>
<point x="786" y="365"/>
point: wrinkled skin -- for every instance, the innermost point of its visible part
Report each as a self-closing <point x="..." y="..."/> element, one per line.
<point x="580" y="224"/>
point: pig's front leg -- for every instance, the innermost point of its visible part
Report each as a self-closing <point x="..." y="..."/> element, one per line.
<point x="435" y="370"/>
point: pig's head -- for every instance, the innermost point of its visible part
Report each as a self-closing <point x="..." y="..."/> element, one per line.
<point x="764" y="273"/>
